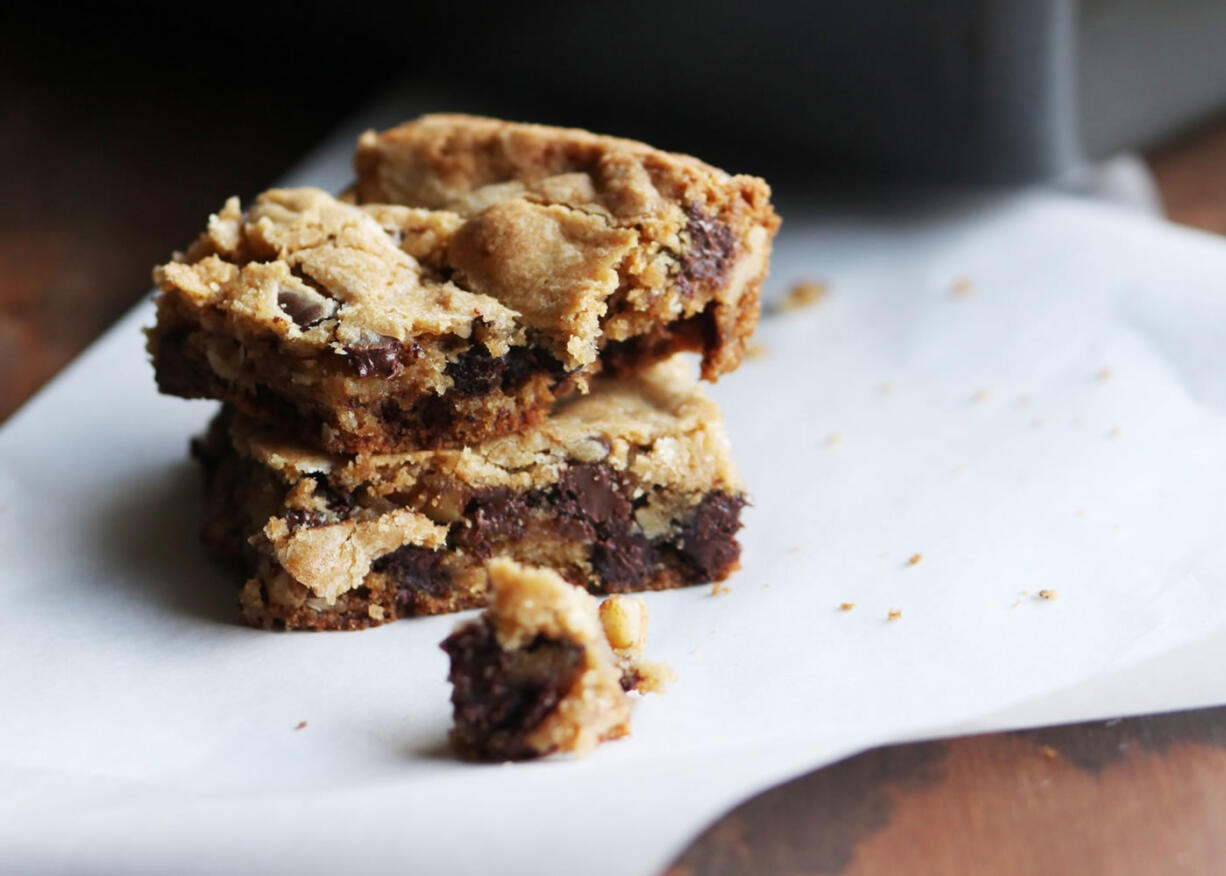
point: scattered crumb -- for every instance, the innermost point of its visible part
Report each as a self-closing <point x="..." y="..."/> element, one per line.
<point x="1049" y="752"/>
<point x="885" y="387"/>
<point x="1016" y="603"/>
<point x="1038" y="422"/>
<point x="1023" y="401"/>
<point x="834" y="439"/>
<point x="301" y="725"/>
<point x="803" y="294"/>
<point x="893" y="614"/>
<point x="1114" y="432"/>
<point x="981" y="395"/>
<point x="1023" y="593"/>
<point x="1047" y="594"/>
<point x="963" y="287"/>
<point x="755" y="350"/>
<point x="846" y="606"/>
<point x="720" y="589"/>
<point x="1080" y="512"/>
<point x="914" y="559"/>
<point x="1104" y="375"/>
<point x="794" y="549"/>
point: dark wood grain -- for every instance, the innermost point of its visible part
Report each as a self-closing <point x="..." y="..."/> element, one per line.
<point x="91" y="197"/>
<point x="1135" y="796"/>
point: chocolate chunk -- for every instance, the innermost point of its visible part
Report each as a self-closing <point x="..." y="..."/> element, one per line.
<point x="178" y="371"/>
<point x="299" y="518"/>
<point x="381" y="359"/>
<point x="593" y="492"/>
<point x="631" y="679"/>
<point x="709" y="254"/>
<point x="493" y="513"/>
<point x="499" y="697"/>
<point x="524" y="362"/>
<point x="431" y="415"/>
<point x="475" y="372"/>
<point x="708" y="539"/>
<point x="304" y="308"/>
<point x="339" y="500"/>
<point x="415" y="571"/>
<point x="623" y="560"/>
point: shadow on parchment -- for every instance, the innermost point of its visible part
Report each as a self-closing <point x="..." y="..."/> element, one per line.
<point x="148" y="539"/>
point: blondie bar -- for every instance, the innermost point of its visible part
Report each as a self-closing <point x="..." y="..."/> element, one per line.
<point x="687" y="244"/>
<point x="630" y="487"/>
<point x="339" y="325"/>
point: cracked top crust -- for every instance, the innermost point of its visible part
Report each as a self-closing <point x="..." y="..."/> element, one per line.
<point x="318" y="272"/>
<point x="630" y="235"/>
<point x="657" y="425"/>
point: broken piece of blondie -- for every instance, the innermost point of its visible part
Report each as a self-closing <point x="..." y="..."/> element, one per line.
<point x="535" y="674"/>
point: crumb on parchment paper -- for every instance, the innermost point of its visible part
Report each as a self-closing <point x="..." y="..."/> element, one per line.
<point x="804" y="294"/>
<point x="834" y="439"/>
<point x="981" y="395"/>
<point x="914" y="559"/>
<point x="720" y="589"/>
<point x="301" y="725"/>
<point x="846" y="606"/>
<point x="963" y="287"/>
<point x="1104" y="374"/>
<point x="893" y="614"/>
<point x="1049" y="595"/>
<point x="755" y="350"/>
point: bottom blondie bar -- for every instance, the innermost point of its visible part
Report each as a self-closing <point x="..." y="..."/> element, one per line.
<point x="630" y="487"/>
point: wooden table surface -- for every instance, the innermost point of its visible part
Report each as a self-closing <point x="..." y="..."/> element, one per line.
<point x="89" y="202"/>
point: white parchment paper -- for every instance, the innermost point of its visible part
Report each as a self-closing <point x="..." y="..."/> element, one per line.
<point x="1059" y="425"/>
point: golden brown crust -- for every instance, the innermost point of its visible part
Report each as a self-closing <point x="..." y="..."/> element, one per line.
<point x="694" y="241"/>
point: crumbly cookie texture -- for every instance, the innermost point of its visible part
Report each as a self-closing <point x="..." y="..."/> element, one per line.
<point x="630" y="487"/>
<point x="339" y="325"/>
<point x="660" y="250"/>
<point x="536" y="673"/>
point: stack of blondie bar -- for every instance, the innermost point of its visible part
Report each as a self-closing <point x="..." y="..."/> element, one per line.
<point x="468" y="355"/>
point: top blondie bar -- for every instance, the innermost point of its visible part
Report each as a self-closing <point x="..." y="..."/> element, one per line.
<point x="477" y="271"/>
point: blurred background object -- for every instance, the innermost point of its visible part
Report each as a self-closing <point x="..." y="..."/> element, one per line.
<point x="123" y="125"/>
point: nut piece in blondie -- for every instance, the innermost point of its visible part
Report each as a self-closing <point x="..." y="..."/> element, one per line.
<point x="624" y="619"/>
<point x="688" y="245"/>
